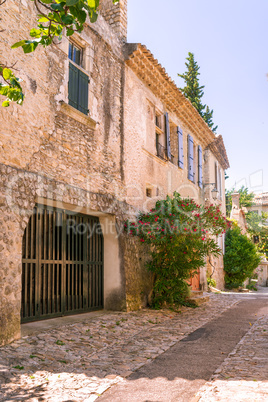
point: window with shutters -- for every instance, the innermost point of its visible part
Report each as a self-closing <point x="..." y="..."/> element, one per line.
<point x="180" y="148"/>
<point x="200" y="167"/>
<point x="216" y="176"/>
<point x="220" y="182"/>
<point x="161" y="150"/>
<point x="190" y="158"/>
<point x="78" y="80"/>
<point x="149" y="192"/>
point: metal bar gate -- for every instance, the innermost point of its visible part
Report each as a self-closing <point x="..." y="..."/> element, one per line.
<point x="62" y="264"/>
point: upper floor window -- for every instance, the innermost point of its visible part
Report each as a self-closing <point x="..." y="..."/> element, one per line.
<point x="75" y="54"/>
<point x="218" y="180"/>
<point x="161" y="150"/>
<point x="78" y="80"/>
<point x="194" y="174"/>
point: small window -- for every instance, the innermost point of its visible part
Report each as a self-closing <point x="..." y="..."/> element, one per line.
<point x="158" y="121"/>
<point x="149" y="192"/>
<point x="75" y="54"/>
<point x="157" y="193"/>
<point x="78" y="80"/>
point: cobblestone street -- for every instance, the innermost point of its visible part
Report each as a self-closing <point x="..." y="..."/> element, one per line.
<point x="81" y="360"/>
<point x="244" y="374"/>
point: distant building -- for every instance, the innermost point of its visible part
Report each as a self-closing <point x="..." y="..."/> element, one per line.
<point x="260" y="203"/>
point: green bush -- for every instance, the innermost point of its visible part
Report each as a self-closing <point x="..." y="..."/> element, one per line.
<point x="240" y="260"/>
<point x="211" y="282"/>
<point x="180" y="233"/>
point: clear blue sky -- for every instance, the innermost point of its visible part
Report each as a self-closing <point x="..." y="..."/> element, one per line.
<point x="230" y="42"/>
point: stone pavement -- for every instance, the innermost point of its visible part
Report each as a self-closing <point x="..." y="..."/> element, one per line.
<point x="80" y="360"/>
<point x="243" y="376"/>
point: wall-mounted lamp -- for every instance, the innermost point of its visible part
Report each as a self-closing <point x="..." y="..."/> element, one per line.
<point x="214" y="192"/>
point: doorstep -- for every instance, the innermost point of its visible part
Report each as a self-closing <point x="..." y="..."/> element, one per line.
<point x="35" y="327"/>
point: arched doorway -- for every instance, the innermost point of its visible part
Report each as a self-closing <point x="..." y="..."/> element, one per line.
<point x="62" y="264"/>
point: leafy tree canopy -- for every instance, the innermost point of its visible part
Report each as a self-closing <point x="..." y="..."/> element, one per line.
<point x="53" y="17"/>
<point x="194" y="92"/>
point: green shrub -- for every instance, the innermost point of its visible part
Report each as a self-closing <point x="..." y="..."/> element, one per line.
<point x="240" y="260"/>
<point x="179" y="232"/>
<point x="211" y="282"/>
<point x="252" y="286"/>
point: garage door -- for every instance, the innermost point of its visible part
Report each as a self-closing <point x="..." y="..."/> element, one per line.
<point x="62" y="264"/>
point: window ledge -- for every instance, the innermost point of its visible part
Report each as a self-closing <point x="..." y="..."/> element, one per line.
<point x="77" y="115"/>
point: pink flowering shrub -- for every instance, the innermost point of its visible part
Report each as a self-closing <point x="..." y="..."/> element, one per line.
<point x="181" y="235"/>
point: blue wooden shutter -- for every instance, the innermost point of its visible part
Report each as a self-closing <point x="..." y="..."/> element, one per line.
<point x="180" y="147"/>
<point x="168" y="137"/>
<point x="190" y="158"/>
<point x="200" y="167"/>
<point x="73" y="85"/>
<point x="83" y="93"/>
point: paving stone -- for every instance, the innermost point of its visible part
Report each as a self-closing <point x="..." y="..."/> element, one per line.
<point x="97" y="353"/>
<point x="243" y="375"/>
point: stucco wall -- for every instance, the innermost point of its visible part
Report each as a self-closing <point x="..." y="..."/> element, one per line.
<point x="143" y="169"/>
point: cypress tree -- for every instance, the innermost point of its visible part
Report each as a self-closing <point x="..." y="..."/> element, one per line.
<point x="194" y="92"/>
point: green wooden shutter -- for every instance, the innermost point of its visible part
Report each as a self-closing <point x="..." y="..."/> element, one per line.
<point x="168" y="136"/>
<point x="180" y="147"/>
<point x="190" y="158"/>
<point x="200" y="167"/>
<point x="83" y="93"/>
<point x="73" y="85"/>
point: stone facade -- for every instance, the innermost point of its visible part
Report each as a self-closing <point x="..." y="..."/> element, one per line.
<point x="238" y="214"/>
<point x="260" y="204"/>
<point x="98" y="164"/>
<point x="216" y="162"/>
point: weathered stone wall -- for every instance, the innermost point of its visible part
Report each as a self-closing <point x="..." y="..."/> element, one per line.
<point x="52" y="152"/>
<point x="20" y="191"/>
<point x="215" y="267"/>
<point x="116" y="16"/>
<point x="139" y="281"/>
<point x="262" y="272"/>
<point x="143" y="169"/>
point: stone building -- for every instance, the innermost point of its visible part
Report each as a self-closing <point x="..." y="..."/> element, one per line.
<point x="103" y="132"/>
<point x="260" y="204"/>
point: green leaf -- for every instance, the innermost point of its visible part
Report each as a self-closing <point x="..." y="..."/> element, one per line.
<point x="35" y="33"/>
<point x="67" y="19"/>
<point x="71" y="2"/>
<point x="30" y="47"/>
<point x="93" y="17"/>
<point x="7" y="73"/>
<point x="69" y="32"/>
<point x="43" y="19"/>
<point x="91" y="3"/>
<point x="5" y="103"/>
<point x="18" y="44"/>
<point x="57" y="7"/>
